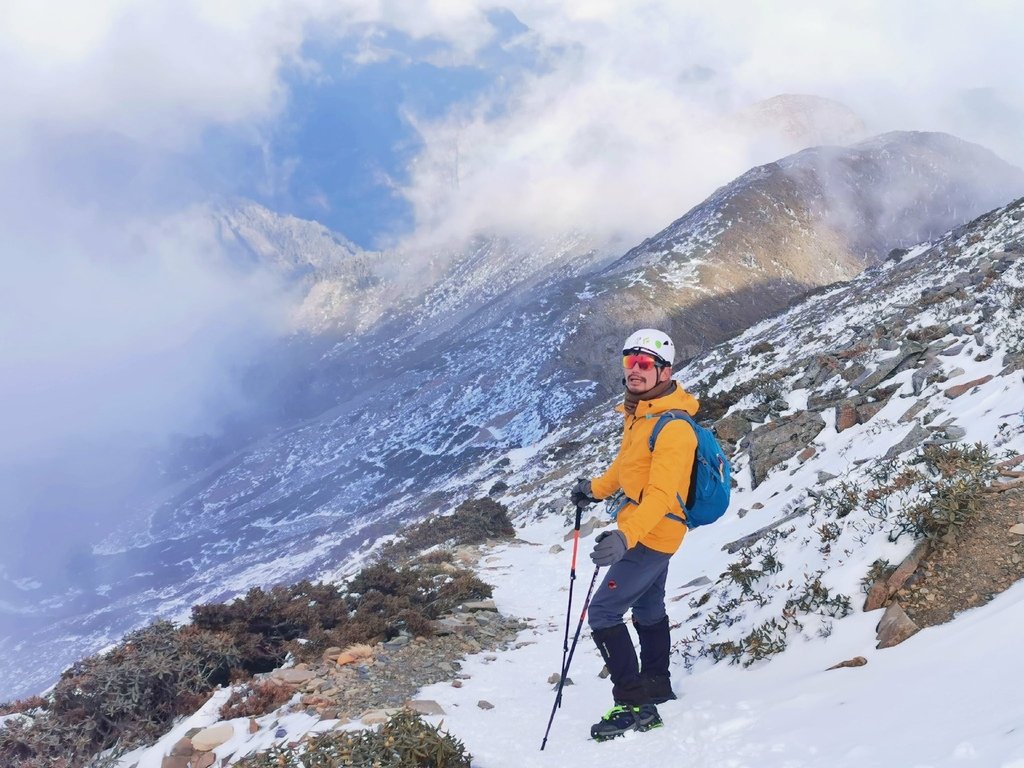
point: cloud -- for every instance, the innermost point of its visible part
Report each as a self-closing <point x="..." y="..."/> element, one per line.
<point x="629" y="122"/>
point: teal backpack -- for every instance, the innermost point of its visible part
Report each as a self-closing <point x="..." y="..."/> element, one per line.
<point x="710" y="480"/>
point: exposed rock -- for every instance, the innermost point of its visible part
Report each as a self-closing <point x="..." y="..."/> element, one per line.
<point x="954" y="392"/>
<point x="912" y="411"/>
<point x="907" y="567"/>
<point x="895" y="626"/>
<point x="774" y="443"/>
<point x="846" y="415"/>
<point x="378" y="716"/>
<point x="213" y="737"/>
<point x="735" y="546"/>
<point x="913" y="438"/>
<point x="807" y="453"/>
<point x="867" y="412"/>
<point x="293" y="676"/>
<point x="483" y="704"/>
<point x="856" y="661"/>
<point x="182" y="747"/>
<point x="700" y="581"/>
<point x="907" y="356"/>
<point x="877" y="595"/>
<point x="204" y="760"/>
<point x="824" y="477"/>
<point x="1017" y="530"/>
<point x="954" y="349"/>
<point x="732" y="428"/>
<point x="177" y="761"/>
<point x="556" y="548"/>
<point x="920" y="377"/>
<point x="479" y="605"/>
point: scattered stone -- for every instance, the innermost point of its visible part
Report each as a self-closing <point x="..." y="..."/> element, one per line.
<point x="604" y="674"/>
<point x="877" y="595"/>
<point x="182" y="746"/>
<point x="954" y="392"/>
<point x="293" y="676"/>
<point x="806" y="453"/>
<point x="425" y="706"/>
<point x="456" y="683"/>
<point x="757" y="505"/>
<point x="824" y="477"/>
<point x="254" y="727"/>
<point x="378" y="716"/>
<point x="895" y="626"/>
<point x="700" y="581"/>
<point x="212" y="737"/>
<point x="1017" y="530"/>
<point x="483" y="704"/>
<point x="856" y="661"/>
<point x="556" y="548"/>
<point x="479" y="605"/>
<point x="735" y="546"/>
<point x="553" y="678"/>
<point x="953" y="349"/>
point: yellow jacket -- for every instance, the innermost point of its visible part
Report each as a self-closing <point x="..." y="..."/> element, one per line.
<point x="654" y="482"/>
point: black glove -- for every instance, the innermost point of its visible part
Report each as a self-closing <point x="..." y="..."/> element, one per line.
<point x="581" y="495"/>
<point x="609" y="548"/>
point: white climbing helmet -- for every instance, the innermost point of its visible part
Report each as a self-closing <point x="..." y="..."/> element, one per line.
<point x="650" y="340"/>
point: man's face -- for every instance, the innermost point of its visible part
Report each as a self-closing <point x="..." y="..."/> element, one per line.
<point x="642" y="372"/>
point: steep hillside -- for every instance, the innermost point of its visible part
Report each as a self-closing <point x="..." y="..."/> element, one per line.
<point x="399" y="417"/>
<point x="810" y="219"/>
<point x="874" y="429"/>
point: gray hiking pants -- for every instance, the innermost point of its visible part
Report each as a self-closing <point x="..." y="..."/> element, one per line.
<point x="637" y="581"/>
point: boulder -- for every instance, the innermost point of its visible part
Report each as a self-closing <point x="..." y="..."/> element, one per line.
<point x="846" y="415"/>
<point x="295" y="677"/>
<point x="781" y="440"/>
<point x="378" y="716"/>
<point x="954" y="392"/>
<point x="479" y="605"/>
<point x="906" y="357"/>
<point x="911" y="440"/>
<point x="912" y="411"/>
<point x="732" y="428"/>
<point x="213" y="737"/>
<point x="895" y="626"/>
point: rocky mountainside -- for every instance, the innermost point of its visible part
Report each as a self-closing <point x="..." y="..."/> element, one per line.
<point x="875" y="429"/>
<point x="421" y="407"/>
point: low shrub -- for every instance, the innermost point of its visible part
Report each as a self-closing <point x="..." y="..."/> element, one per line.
<point x="404" y="741"/>
<point x="123" y="698"/>
<point x="254" y="699"/>
<point x="474" y="521"/>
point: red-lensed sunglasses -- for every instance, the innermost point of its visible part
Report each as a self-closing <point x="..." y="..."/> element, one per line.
<point x="643" y="362"/>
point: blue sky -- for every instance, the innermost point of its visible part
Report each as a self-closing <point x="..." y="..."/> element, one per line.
<point x="340" y="150"/>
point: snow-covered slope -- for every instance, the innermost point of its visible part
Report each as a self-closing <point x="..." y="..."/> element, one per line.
<point x="928" y="350"/>
<point x="405" y="414"/>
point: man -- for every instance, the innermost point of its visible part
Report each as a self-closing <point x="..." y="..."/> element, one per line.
<point x="649" y="529"/>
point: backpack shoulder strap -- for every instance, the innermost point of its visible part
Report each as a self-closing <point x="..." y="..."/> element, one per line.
<point x="665" y="418"/>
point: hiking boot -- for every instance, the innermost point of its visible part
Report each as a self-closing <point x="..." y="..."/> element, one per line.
<point x="623" y="718"/>
<point x="658" y="688"/>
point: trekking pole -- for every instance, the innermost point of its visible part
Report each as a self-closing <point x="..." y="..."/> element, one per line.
<point x="568" y="660"/>
<point x="572" y="581"/>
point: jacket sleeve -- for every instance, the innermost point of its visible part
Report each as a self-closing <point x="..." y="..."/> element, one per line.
<point x="671" y="466"/>
<point x="605" y="485"/>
